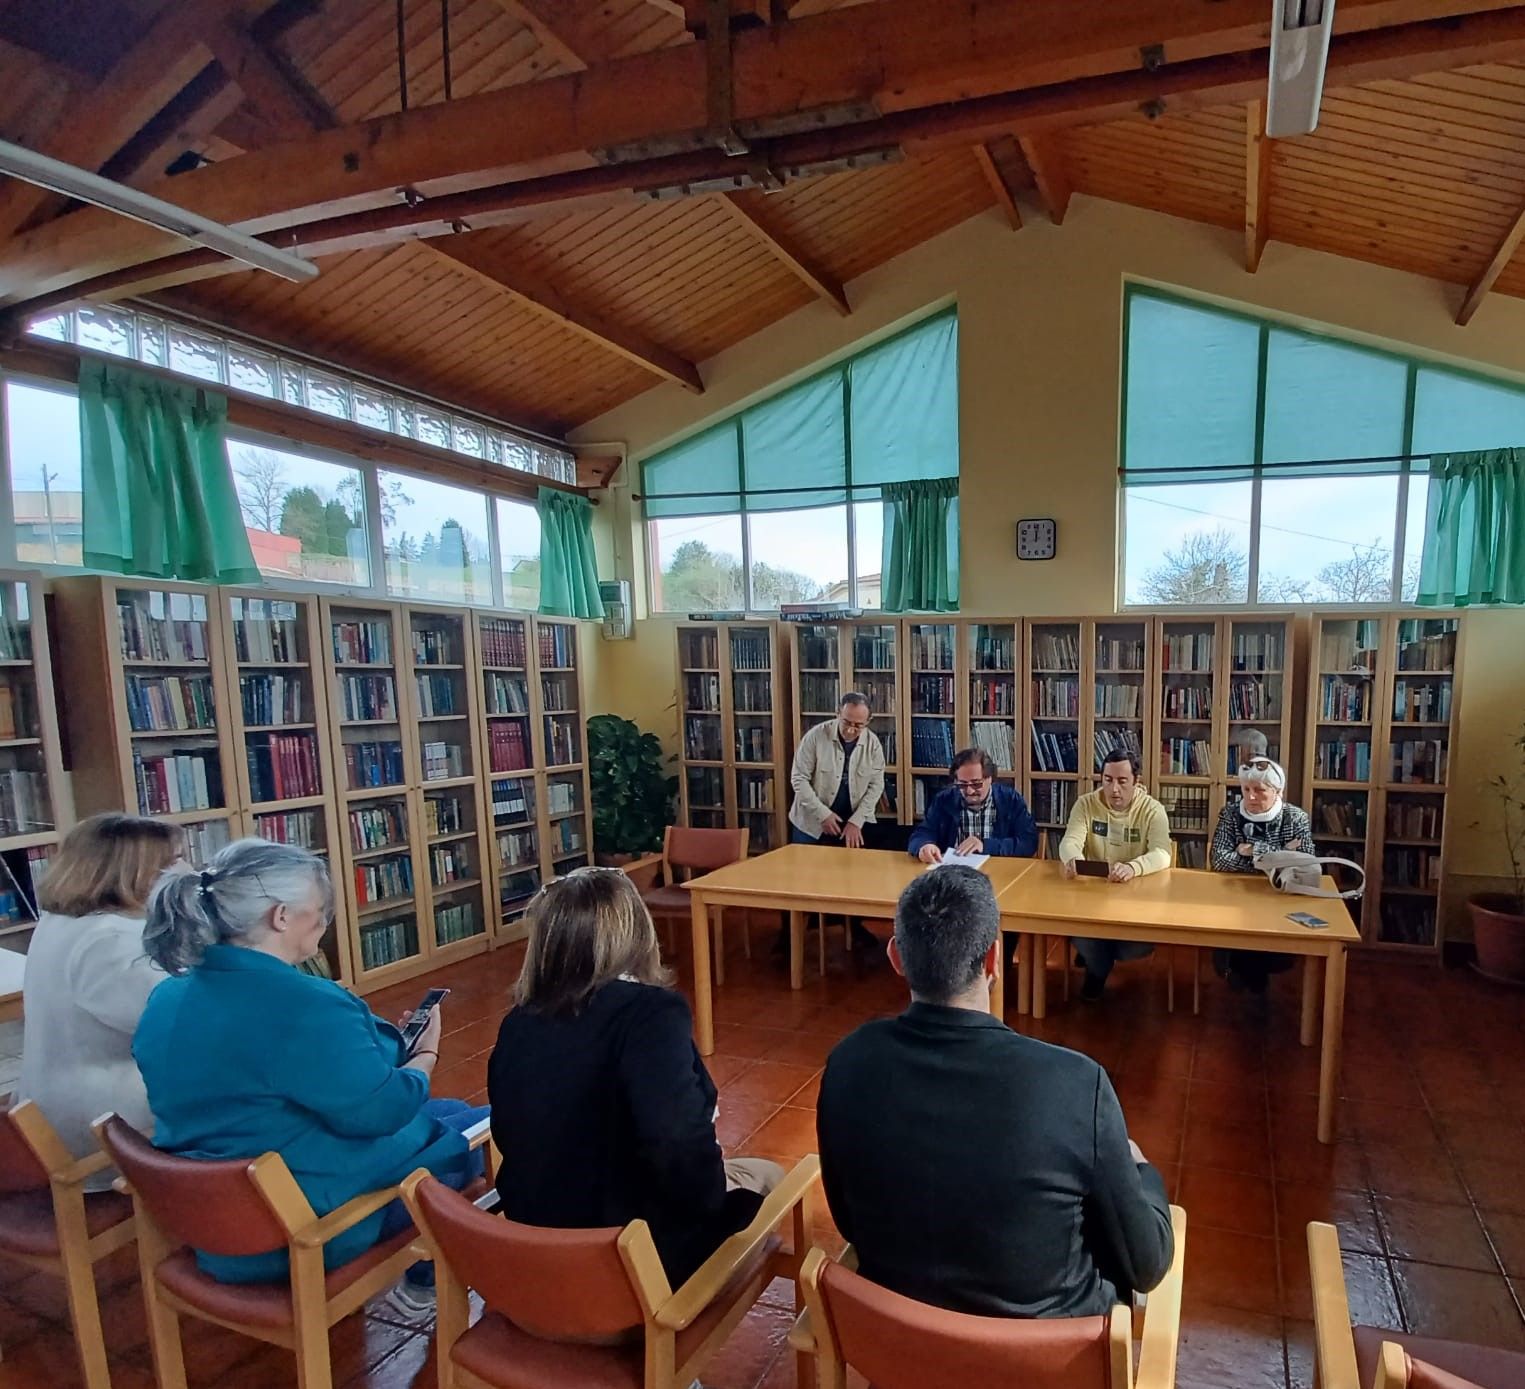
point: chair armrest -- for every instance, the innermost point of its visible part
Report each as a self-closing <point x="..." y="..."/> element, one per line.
<point x="802" y="1334"/>
<point x="1334" y="1344"/>
<point x="76" y="1172"/>
<point x="640" y="865"/>
<point x="351" y="1213"/>
<point x="479" y="1133"/>
<point x="1162" y="1317"/>
<point x="695" y="1295"/>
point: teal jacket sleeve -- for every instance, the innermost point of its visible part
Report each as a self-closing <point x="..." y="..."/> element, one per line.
<point x="334" y="1060"/>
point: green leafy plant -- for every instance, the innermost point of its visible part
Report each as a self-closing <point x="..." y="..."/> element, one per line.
<point x="1510" y="791"/>
<point x="632" y="791"/>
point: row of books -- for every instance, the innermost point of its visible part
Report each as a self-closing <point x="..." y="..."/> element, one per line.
<point x="18" y="717"/>
<point x="560" y="740"/>
<point x="268" y="641"/>
<point x="1404" y="867"/>
<point x="567" y="838"/>
<point x="751" y="651"/>
<point x="923" y="790"/>
<point x="699" y="650"/>
<point x="997" y="740"/>
<point x="993" y="650"/>
<point x="1119" y="701"/>
<point x="1105" y="741"/>
<point x="563" y="796"/>
<point x="558" y="694"/>
<point x="386" y="942"/>
<point x="505" y="694"/>
<point x="503" y="643"/>
<point x="366" y="643"/>
<point x="377" y="827"/>
<point x="517" y="847"/>
<point x="1419" y="818"/>
<point x="437" y="694"/>
<point x="701" y="739"/>
<point x="380" y="880"/>
<point x="435" y="646"/>
<point x="1344" y="701"/>
<point x="1054" y="697"/>
<point x="887" y="740"/>
<point x="932" y="694"/>
<point x="1421" y="761"/>
<point x="705" y="787"/>
<point x="443" y="815"/>
<point x="558" y="645"/>
<point x="1255" y="699"/>
<point x="1187" y="703"/>
<point x="752" y="692"/>
<point x="1052" y="801"/>
<point x="443" y="761"/>
<point x="1420" y="650"/>
<point x="148" y="636"/>
<point x="1342" y="815"/>
<point x="23" y="872"/>
<point x="1426" y="701"/>
<point x="817" y="652"/>
<point x="508" y="746"/>
<point x="1055" y="752"/>
<point x="1191" y="853"/>
<point x="930" y="648"/>
<point x="873" y="649"/>
<point x="206" y="840"/>
<point x="283" y="766"/>
<point x="1407" y="921"/>
<point x="1119" y="653"/>
<point x="373" y="764"/>
<point x="1056" y="650"/>
<point x="160" y="702"/>
<point x="273" y="699"/>
<point x="753" y="792"/>
<point x="701" y="692"/>
<point x="299" y="827"/>
<point x="1350" y="647"/>
<point x="761" y="838"/>
<point x="15" y="638"/>
<point x="512" y="800"/>
<point x="517" y="891"/>
<point x="1186" y="757"/>
<point x="25" y="806"/>
<point x="370" y="697"/>
<point x="879" y="691"/>
<point x="170" y="782"/>
<point x="1342" y="760"/>
<point x="1187" y="651"/>
<point x="1256" y="651"/>
<point x="931" y="742"/>
<point x="1187" y="807"/>
<point x="992" y="695"/>
<point x="459" y="921"/>
<point x="450" y="863"/>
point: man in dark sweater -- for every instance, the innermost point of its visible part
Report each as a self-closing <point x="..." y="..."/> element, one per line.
<point x="976" y="815"/>
<point x="973" y="1168"/>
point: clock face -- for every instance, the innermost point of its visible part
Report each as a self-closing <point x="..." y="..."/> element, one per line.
<point x="1037" y="538"/>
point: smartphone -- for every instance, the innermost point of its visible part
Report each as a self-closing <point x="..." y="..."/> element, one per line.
<point x="1092" y="868"/>
<point x="420" y="1019"/>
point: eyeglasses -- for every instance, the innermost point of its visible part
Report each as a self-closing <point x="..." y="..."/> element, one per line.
<point x="968" y="784"/>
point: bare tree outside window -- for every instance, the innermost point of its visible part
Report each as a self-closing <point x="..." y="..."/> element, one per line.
<point x="1208" y="566"/>
<point x="261" y="487"/>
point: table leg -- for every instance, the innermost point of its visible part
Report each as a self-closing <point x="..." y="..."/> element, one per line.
<point x="1040" y="976"/>
<point x="704" y="1004"/>
<point x="797" y="949"/>
<point x="1024" y="973"/>
<point x="1310" y="999"/>
<point x="1334" y="1024"/>
<point x="998" y="984"/>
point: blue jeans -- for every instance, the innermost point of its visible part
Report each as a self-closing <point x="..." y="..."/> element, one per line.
<point x="798" y="836"/>
<point x="1098" y="956"/>
<point x="453" y="1114"/>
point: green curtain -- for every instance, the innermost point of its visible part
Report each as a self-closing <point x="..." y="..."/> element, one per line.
<point x="1474" y="530"/>
<point x="568" y="573"/>
<point x="158" y="493"/>
<point x="920" y="565"/>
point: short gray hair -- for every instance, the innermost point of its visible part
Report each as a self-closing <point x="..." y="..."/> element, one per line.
<point x="945" y="922"/>
<point x="852" y="697"/>
<point x="229" y="900"/>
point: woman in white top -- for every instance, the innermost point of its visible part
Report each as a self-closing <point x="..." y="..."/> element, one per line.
<point x="87" y="977"/>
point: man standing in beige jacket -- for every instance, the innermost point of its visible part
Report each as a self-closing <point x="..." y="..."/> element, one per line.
<point x="838" y="778"/>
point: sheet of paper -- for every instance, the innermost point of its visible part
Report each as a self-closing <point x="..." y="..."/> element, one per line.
<point x="951" y="859"/>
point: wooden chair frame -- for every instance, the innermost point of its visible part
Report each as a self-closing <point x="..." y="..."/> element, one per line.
<point x="669" y="877"/>
<point x="313" y="1312"/>
<point x="665" y="1311"/>
<point x="1158" y="1329"/>
<point x="78" y="1253"/>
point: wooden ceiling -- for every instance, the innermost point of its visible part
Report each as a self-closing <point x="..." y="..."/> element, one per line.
<point x="547" y="310"/>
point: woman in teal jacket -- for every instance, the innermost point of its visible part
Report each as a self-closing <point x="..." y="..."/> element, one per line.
<point x="243" y="1053"/>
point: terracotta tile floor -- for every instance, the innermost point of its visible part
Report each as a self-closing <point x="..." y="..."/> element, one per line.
<point x="1427" y="1182"/>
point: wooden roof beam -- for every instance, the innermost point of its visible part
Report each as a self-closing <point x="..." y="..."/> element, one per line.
<point x="553" y="29"/>
<point x="1049" y="173"/>
<point x="746" y="210"/>
<point x="541" y="297"/>
<point x="1503" y="253"/>
<point x="991" y="162"/>
<point x="271" y="85"/>
<point x="1257" y="185"/>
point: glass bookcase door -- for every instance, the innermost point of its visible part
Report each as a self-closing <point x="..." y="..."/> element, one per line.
<point x="1119" y="698"/>
<point x="1053" y="744"/>
<point x="930" y="655"/>
<point x="504" y="650"/>
<point x="26" y="798"/>
<point x="818" y="672"/>
<point x="516" y="835"/>
<point x="1257" y="693"/>
<point x="567" y="816"/>
<point x="279" y="719"/>
<point x="560" y="700"/>
<point x="992" y="658"/>
<point x="1188" y="671"/>
<point x="699" y="690"/>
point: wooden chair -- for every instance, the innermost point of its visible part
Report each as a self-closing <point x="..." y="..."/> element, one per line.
<point x="899" y="1343"/>
<point x="1354" y="1357"/>
<point x="48" y="1221"/>
<point x="245" y="1207"/>
<point x="566" y="1307"/>
<point x="685" y="853"/>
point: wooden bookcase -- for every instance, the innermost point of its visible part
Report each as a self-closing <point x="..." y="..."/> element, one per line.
<point x="935" y="674"/>
<point x="1055" y="657"/>
<point x="33" y="805"/>
<point x="990" y="710"/>
<point x="731" y="690"/>
<point x="559" y="701"/>
<point x="147" y="705"/>
<point x="279" y="712"/>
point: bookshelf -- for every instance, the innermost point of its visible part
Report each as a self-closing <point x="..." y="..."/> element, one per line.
<point x="1186" y="771"/>
<point x="566" y="828"/>
<point x="31" y="771"/>
<point x="442" y="659"/>
<point x="730" y="682"/>
<point x="146" y="705"/>
<point x="934" y="675"/>
<point x="280" y="729"/>
<point x="513" y="792"/>
<point x="1053" y="654"/>
<point x="991" y="717"/>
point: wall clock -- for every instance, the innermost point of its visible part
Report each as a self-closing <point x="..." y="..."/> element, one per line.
<point x="1037" y="538"/>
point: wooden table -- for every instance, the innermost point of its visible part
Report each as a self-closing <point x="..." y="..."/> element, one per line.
<point x="800" y="878"/>
<point x="1183" y="906"/>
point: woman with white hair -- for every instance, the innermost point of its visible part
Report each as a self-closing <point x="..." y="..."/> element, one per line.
<point x="1257" y="824"/>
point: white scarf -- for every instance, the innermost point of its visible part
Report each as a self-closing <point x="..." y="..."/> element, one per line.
<point x="1263" y="772"/>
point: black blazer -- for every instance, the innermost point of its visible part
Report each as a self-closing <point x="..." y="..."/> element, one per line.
<point x="985" y="1172"/>
<point x="607" y="1116"/>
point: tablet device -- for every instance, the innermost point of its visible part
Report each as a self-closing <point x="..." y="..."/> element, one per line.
<point x="420" y="1019"/>
<point x="1092" y="868"/>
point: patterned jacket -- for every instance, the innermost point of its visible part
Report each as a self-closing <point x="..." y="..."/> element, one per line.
<point x="1292" y="828"/>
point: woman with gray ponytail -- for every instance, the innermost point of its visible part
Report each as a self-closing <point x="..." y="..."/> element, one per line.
<point x="243" y="1053"/>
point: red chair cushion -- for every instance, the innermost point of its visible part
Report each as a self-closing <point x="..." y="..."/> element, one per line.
<point x="1483" y="1366"/>
<point x="668" y="901"/>
<point x="27" y="1225"/>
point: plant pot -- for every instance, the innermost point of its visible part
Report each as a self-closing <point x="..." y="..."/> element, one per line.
<point x="1498" y="930"/>
<point x="614" y="860"/>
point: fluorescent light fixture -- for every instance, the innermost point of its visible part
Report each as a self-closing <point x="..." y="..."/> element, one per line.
<point x="58" y="177"/>
<point x="1299" y="54"/>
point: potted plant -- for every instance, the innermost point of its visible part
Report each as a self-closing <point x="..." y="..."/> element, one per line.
<point x="1498" y="918"/>
<point x="632" y="790"/>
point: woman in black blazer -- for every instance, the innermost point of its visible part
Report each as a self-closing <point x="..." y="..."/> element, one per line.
<point x="602" y="1108"/>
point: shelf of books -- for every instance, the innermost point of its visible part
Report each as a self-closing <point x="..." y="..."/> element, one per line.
<point x="990" y="721"/>
<point x="1052" y="658"/>
<point x="442" y="660"/>
<point x="146" y="705"/>
<point x="514" y="794"/>
<point x="1186" y="775"/>
<point x="566" y="830"/>
<point x="874" y="660"/>
<point x="284" y="766"/>
<point x="31" y="773"/>
<point x="934" y="674"/>
<point x="703" y="777"/>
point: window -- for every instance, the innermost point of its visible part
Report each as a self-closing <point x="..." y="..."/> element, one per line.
<point x="434" y="537"/>
<point x="519" y="553"/>
<point x="42" y="434"/>
<point x="782" y="503"/>
<point x="305" y="517"/>
<point x="1263" y="464"/>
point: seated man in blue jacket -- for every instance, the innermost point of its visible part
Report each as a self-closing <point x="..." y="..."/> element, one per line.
<point x="975" y="815"/>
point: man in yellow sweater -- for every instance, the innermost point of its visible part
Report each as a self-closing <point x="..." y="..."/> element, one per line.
<point x="1123" y="825"/>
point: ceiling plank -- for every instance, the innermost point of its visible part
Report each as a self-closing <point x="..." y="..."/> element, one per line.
<point x="746" y="209"/>
<point x="543" y="298"/>
<point x="91" y="129"/>
<point x="1049" y="173"/>
<point x="552" y="28"/>
<point x="269" y="84"/>
<point x="1503" y="253"/>
<point x="1257" y="184"/>
<point x="1005" y="196"/>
